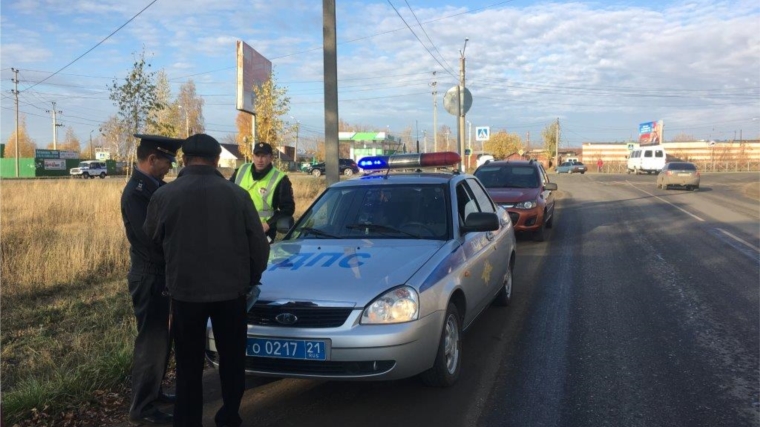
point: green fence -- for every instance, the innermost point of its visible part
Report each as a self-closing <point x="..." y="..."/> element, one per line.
<point x="26" y="169"/>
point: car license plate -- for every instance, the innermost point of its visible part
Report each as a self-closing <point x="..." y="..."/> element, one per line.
<point x="287" y="349"/>
<point x="684" y="174"/>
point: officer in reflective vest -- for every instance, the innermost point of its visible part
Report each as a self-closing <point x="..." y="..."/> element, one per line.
<point x="269" y="187"/>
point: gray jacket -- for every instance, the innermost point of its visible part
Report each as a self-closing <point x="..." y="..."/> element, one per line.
<point x="210" y="235"/>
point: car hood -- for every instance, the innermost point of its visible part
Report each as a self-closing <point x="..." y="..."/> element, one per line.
<point x="513" y="195"/>
<point x="352" y="271"/>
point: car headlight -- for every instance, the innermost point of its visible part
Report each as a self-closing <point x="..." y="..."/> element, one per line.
<point x="529" y="204"/>
<point x="395" y="306"/>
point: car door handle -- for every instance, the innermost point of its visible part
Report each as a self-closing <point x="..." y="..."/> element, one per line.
<point x="490" y="235"/>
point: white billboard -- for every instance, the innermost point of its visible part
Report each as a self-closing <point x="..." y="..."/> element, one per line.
<point x="252" y="70"/>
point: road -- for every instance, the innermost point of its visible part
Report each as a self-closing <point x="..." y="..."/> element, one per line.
<point x="642" y="308"/>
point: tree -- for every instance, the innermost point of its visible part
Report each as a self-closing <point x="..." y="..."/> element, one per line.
<point x="26" y="145"/>
<point x="270" y="105"/>
<point x="163" y="121"/>
<point x="447" y="140"/>
<point x="683" y="137"/>
<point x="549" y="135"/>
<point x="116" y="137"/>
<point x="70" y="142"/>
<point x="136" y="98"/>
<point x="190" y="109"/>
<point x="502" y="144"/>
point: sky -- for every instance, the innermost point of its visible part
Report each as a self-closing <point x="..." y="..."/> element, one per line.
<point x="600" y="68"/>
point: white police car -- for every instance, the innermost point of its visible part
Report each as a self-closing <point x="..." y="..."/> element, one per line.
<point x="380" y="276"/>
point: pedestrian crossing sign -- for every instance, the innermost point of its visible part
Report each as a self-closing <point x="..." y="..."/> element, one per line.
<point x="482" y="133"/>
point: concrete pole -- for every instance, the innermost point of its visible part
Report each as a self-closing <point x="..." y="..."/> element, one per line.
<point x="15" y="92"/>
<point x="330" y="58"/>
<point x="435" y="116"/>
<point x="556" y="149"/>
<point x="460" y="98"/>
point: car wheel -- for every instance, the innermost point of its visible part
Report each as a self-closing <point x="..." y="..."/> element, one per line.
<point x="550" y="222"/>
<point x="659" y="185"/>
<point x="504" y="297"/>
<point x="348" y="172"/>
<point x="695" y="188"/>
<point x="582" y="173"/>
<point x="102" y="175"/>
<point x="316" y="172"/>
<point x="448" y="359"/>
<point x="85" y="175"/>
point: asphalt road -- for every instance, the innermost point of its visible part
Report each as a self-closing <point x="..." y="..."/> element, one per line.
<point x="642" y="308"/>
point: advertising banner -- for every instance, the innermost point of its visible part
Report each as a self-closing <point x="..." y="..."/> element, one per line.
<point x="650" y="133"/>
<point x="68" y="155"/>
<point x="46" y="154"/>
<point x="55" y="165"/>
<point x="252" y="70"/>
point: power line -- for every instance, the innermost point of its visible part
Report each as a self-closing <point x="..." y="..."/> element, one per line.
<point x="99" y="43"/>
<point x="426" y="34"/>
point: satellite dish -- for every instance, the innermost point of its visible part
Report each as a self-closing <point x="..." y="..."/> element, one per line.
<point x="450" y="101"/>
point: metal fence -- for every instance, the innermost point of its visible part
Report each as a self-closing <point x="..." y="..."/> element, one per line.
<point x="702" y="166"/>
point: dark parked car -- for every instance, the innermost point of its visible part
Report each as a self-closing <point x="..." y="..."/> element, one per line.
<point x="346" y="167"/>
<point x="523" y="188"/>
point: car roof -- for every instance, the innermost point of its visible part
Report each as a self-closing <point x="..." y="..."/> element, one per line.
<point x="511" y="163"/>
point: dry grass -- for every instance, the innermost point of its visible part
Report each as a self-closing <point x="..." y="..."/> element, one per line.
<point x="67" y="322"/>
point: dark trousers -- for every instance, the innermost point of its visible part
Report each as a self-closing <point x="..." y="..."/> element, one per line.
<point x="189" y="321"/>
<point x="152" y="343"/>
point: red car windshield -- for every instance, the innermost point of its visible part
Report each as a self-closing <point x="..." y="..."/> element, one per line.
<point x="509" y="176"/>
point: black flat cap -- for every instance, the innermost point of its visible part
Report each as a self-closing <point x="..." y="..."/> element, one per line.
<point x="201" y="145"/>
<point x="166" y="146"/>
<point x="262" y="148"/>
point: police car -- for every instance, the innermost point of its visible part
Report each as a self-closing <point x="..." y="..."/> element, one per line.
<point x="381" y="275"/>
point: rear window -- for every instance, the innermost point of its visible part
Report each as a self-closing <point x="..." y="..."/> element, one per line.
<point x="682" y="166"/>
<point x="509" y="176"/>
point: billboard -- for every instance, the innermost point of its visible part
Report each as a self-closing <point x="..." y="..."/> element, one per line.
<point x="54" y="165"/>
<point x="252" y="70"/>
<point x="650" y="133"/>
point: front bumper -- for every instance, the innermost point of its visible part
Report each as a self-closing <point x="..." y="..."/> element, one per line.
<point x="357" y="352"/>
<point x="526" y="219"/>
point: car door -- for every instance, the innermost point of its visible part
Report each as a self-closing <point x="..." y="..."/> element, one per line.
<point x="477" y="275"/>
<point x="547" y="195"/>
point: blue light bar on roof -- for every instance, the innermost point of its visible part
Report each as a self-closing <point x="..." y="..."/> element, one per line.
<point x="412" y="160"/>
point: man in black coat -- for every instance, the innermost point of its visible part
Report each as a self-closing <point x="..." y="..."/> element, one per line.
<point x="216" y="250"/>
<point x="146" y="278"/>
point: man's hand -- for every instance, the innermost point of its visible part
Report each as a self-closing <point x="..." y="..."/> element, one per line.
<point x="266" y="226"/>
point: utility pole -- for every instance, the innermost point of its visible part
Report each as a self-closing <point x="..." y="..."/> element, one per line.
<point x="460" y="99"/>
<point x="55" y="125"/>
<point x="435" y="115"/>
<point x="556" y="156"/>
<point x="330" y="59"/>
<point x="15" y="93"/>
<point x="295" y="149"/>
<point x="92" y="156"/>
<point x="424" y="140"/>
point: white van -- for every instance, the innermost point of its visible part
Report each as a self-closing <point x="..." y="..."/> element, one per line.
<point x="646" y="159"/>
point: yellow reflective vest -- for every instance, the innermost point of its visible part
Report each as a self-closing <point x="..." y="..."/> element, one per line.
<point x="261" y="191"/>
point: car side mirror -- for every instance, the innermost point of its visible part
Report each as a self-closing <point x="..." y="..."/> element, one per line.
<point x="285" y="224"/>
<point x="481" y="221"/>
<point x="550" y="186"/>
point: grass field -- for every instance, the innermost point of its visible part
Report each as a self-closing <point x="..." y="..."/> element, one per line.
<point x="66" y="315"/>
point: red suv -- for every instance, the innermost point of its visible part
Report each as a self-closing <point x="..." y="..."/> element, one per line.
<point x="523" y="188"/>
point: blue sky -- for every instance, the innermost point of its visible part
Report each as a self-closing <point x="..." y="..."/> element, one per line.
<point x="600" y="67"/>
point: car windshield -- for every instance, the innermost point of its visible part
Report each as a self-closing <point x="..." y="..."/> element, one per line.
<point x="508" y="176"/>
<point x="382" y="211"/>
<point x="682" y="166"/>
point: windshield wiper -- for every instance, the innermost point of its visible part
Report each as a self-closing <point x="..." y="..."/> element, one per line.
<point x="384" y="229"/>
<point x="317" y="232"/>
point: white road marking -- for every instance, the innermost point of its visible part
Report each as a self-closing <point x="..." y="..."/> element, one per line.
<point x="663" y="200"/>
<point x="747" y="244"/>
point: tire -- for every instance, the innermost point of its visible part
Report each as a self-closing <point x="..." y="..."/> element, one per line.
<point x="538" y="235"/>
<point x="85" y="175"/>
<point x="316" y="172"/>
<point x="659" y="185"/>
<point x="348" y="172"/>
<point x="636" y="171"/>
<point x="448" y="358"/>
<point x="504" y="297"/>
<point x="582" y="173"/>
<point x="550" y="223"/>
<point x="695" y="188"/>
<point x="102" y="175"/>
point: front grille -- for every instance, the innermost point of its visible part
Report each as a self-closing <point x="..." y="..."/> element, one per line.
<point x="308" y="317"/>
<point x="311" y="367"/>
<point x="514" y="216"/>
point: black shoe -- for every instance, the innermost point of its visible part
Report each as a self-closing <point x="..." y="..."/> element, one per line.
<point x="155" y="417"/>
<point x="166" y="397"/>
